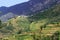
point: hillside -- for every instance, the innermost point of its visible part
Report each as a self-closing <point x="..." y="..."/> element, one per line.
<point x="44" y="25"/>
<point x="47" y="13"/>
<point x="27" y="8"/>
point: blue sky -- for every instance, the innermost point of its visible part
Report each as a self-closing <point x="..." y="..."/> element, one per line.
<point x="8" y="3"/>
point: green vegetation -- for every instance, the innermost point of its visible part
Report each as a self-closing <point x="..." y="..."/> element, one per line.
<point x="41" y="26"/>
<point x="0" y="22"/>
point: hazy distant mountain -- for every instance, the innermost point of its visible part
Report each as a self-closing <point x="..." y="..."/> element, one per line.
<point x="3" y="10"/>
<point x="29" y="7"/>
<point x="7" y="16"/>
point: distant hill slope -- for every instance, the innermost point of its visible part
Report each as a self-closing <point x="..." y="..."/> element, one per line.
<point x="48" y="13"/>
<point x="28" y="7"/>
<point x="8" y="16"/>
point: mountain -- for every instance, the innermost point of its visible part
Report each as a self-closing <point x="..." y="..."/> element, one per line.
<point x="3" y="10"/>
<point x="52" y="13"/>
<point x="45" y="26"/>
<point x="28" y="8"/>
<point x="7" y="16"/>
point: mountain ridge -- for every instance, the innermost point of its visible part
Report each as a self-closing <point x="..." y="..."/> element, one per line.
<point x="28" y="8"/>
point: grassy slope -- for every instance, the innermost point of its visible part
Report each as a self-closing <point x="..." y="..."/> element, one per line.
<point x="42" y="24"/>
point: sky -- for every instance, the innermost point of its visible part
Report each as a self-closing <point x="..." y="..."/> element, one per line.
<point x="9" y="3"/>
